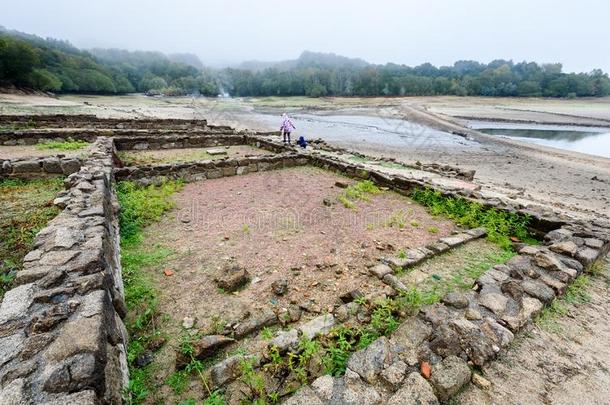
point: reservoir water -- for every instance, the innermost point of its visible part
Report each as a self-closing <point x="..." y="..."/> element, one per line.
<point x="594" y="141"/>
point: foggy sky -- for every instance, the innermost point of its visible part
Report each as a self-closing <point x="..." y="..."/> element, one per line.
<point x="575" y="33"/>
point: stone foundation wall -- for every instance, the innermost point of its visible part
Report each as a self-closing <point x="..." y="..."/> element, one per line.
<point x="92" y="121"/>
<point x="431" y="356"/>
<point x="445" y="170"/>
<point x="32" y="137"/>
<point x="177" y="141"/>
<point x="38" y="167"/>
<point x="195" y="171"/>
<point x="62" y="338"/>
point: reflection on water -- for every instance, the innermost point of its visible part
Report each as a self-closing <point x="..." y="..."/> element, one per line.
<point x="594" y="141"/>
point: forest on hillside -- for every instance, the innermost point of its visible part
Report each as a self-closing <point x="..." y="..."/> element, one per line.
<point x="57" y="66"/>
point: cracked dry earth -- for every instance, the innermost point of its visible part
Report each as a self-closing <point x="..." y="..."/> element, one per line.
<point x="568" y="366"/>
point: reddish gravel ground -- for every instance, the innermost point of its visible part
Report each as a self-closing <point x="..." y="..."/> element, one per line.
<point x="276" y="226"/>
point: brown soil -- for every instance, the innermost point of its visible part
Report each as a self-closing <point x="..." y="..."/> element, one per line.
<point x="568" y="366"/>
<point x="278" y="229"/>
<point x="187" y="154"/>
<point x="31" y="151"/>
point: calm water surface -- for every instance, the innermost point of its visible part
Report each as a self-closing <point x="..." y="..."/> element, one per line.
<point x="594" y="141"/>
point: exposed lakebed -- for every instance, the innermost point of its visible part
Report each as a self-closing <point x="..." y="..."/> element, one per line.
<point x="374" y="130"/>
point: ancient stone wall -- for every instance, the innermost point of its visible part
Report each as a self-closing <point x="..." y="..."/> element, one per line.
<point x="32" y="137"/>
<point x="194" y="171"/>
<point x="38" y="167"/>
<point x="430" y="357"/>
<point x="62" y="338"/>
<point x="92" y="121"/>
<point x="177" y="141"/>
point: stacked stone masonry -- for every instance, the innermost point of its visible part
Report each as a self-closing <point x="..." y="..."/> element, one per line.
<point x="37" y="167"/>
<point x="62" y="338"/>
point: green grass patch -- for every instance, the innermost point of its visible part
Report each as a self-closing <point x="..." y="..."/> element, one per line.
<point x="20" y="126"/>
<point x="66" y="145"/>
<point x="26" y="206"/>
<point x="436" y="287"/>
<point x="141" y="206"/>
<point x="575" y="294"/>
<point x="360" y="191"/>
<point x="500" y="225"/>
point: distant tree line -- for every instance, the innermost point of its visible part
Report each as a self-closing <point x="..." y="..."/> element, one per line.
<point x="57" y="66"/>
<point x="339" y="77"/>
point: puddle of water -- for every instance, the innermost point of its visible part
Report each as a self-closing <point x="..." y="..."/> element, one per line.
<point x="594" y="141"/>
<point x="372" y="130"/>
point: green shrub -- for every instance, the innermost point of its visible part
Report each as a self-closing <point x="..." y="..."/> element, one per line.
<point x="500" y="225"/>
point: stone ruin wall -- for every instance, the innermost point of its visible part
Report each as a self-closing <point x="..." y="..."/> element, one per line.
<point x="35" y="167"/>
<point x="92" y="121"/>
<point x="62" y="338"/>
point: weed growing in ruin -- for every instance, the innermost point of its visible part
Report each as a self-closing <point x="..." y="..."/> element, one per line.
<point x="66" y="145"/>
<point x="575" y="294"/>
<point x="266" y="333"/>
<point x="141" y="206"/>
<point x="397" y="220"/>
<point x="500" y="225"/>
<point x="25" y="208"/>
<point x="17" y="126"/>
<point x="358" y="192"/>
<point x="178" y="381"/>
<point x="215" y="398"/>
<point x="346" y="203"/>
<point x="253" y="379"/>
<point x="433" y="230"/>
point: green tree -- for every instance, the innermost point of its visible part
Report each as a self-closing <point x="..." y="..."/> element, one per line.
<point x="44" y="80"/>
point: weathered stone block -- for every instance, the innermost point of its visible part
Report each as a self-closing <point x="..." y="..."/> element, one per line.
<point x="415" y="391"/>
<point x="27" y="166"/>
<point x="449" y="377"/>
<point x="69" y="166"/>
<point x="369" y="362"/>
<point x="318" y="326"/>
<point x="52" y="165"/>
<point x="77" y="336"/>
<point x="381" y="270"/>
<point x="304" y="396"/>
<point x="16" y="302"/>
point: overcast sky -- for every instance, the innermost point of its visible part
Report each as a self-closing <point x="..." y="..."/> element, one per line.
<point x="575" y="33"/>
